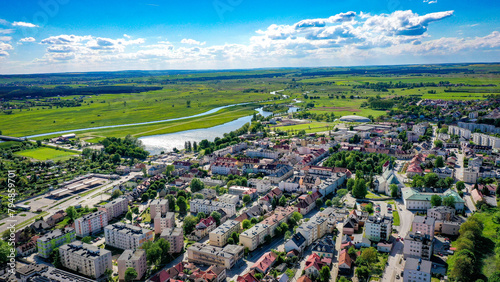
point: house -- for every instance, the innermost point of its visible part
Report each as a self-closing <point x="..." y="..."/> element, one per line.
<point x="476" y="195"/>
<point x="297" y="242"/>
<point x="204" y="227"/>
<point x="384" y="247"/>
<point x="247" y="278"/>
<point x="264" y="263"/>
<point x="350" y="226"/>
<point x="345" y="262"/>
<point x="304" y="279"/>
<point x="324" y="247"/>
<point x="314" y="264"/>
<point x="56" y="218"/>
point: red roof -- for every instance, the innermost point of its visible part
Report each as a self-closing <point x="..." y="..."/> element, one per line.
<point x="265" y="262"/>
<point x="314" y="261"/>
<point x="247" y="278"/>
<point x="304" y="279"/>
<point x="344" y="258"/>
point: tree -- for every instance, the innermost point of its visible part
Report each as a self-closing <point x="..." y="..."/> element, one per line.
<point x="171" y="202"/>
<point x="4" y="252"/>
<point x="236" y="237"/>
<point x="246" y="224"/>
<point x="463" y="268"/>
<point x="436" y="201"/>
<point x="144" y="197"/>
<point x="87" y="239"/>
<point x="189" y="224"/>
<point x="394" y="190"/>
<point x="130" y="274"/>
<point x="324" y="274"/>
<point x="336" y="201"/>
<point x="342" y="192"/>
<point x="153" y="254"/>
<point x="350" y="184"/>
<point x="169" y="170"/>
<point x="369" y="255"/>
<point x="181" y="203"/>
<point x="71" y="213"/>
<point x="201" y="215"/>
<point x="431" y="179"/>
<point x="460" y="186"/>
<point x="165" y="247"/>
<point x="449" y="201"/>
<point x="328" y="203"/>
<point x="359" y="191"/>
<point x="129" y="215"/>
<point x="230" y="241"/>
<point x="108" y="273"/>
<point x="439" y="162"/>
<point x="362" y="272"/>
<point x="216" y="216"/>
<point x="438" y="143"/>
<point x="288" y="235"/>
<point x="117" y="193"/>
<point x="196" y="185"/>
<point x="282" y="201"/>
<point x="267" y="239"/>
<point x="247" y="199"/>
<point x="319" y="202"/>
<point x="352" y="252"/>
<point x="56" y="259"/>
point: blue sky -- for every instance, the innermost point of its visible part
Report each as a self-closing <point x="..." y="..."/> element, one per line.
<point x="69" y="35"/>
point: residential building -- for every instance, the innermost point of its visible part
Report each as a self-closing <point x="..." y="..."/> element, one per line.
<point x="378" y="228"/>
<point x="116" y="208"/>
<point x="158" y="206"/>
<point x="471" y="174"/>
<point x="325" y="247"/>
<point x="441" y="213"/>
<point x="176" y="238"/>
<point x="134" y="259"/>
<point x="91" y="223"/>
<point x="221" y="234"/>
<point x="314" y="264"/>
<point x="313" y="229"/>
<point x="486" y="140"/>
<point x="126" y="236"/>
<point x="41" y="272"/>
<point x="229" y="199"/>
<point x="164" y="220"/>
<point x="461" y="132"/>
<point x="208" y="206"/>
<point x="85" y="259"/>
<point x="345" y="262"/>
<point x="417" y="270"/>
<point x="264" y="263"/>
<point x="417" y="245"/>
<point x="416" y="200"/>
<point x="425" y="225"/>
<point x="297" y="242"/>
<point x="238" y="190"/>
<point x="54" y="239"/>
<point x="226" y="257"/>
<point x="262" y="153"/>
<point x="203" y="228"/>
<point x="254" y="236"/>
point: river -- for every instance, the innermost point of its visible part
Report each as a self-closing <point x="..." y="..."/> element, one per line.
<point x="156" y="144"/>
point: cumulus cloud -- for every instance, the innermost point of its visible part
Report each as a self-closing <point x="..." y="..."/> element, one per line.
<point x="430" y="1"/>
<point x="191" y="42"/>
<point x="341" y="39"/>
<point x="27" y="39"/>
<point x="4" y="47"/>
<point x="23" y="24"/>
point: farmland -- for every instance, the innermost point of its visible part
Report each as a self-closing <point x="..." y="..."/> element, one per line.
<point x="337" y="91"/>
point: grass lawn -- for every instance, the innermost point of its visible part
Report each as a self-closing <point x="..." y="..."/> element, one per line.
<point x="46" y="153"/>
<point x="395" y="215"/>
<point x="312" y="127"/>
<point x="370" y="195"/>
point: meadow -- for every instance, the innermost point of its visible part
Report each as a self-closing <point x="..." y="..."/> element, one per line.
<point x="47" y="153"/>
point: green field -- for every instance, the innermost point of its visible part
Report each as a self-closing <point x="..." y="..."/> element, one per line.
<point x="46" y="153"/>
<point x="312" y="127"/>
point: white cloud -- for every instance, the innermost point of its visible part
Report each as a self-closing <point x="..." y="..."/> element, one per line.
<point x="192" y="42"/>
<point x="24" y="24"/>
<point x="430" y="1"/>
<point x="6" y="31"/>
<point x="127" y="36"/>
<point x="3" y="22"/>
<point x="27" y="39"/>
<point x="5" y="38"/>
<point x="4" y="47"/>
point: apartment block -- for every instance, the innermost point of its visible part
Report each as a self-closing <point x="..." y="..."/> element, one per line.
<point x="471" y="174"/>
<point x="486" y="140"/>
<point x="158" y="206"/>
<point x="254" y="236"/>
<point x="54" y="239"/>
<point x="126" y="236"/>
<point x="221" y="234"/>
<point x="85" y="259"/>
<point x="417" y="246"/>
<point x="116" y="208"/>
<point x="91" y="223"/>
<point x="378" y="228"/>
<point x="135" y="259"/>
<point x="229" y="199"/>
<point x="207" y="207"/>
<point x="162" y="221"/>
<point x="176" y="238"/>
<point x="225" y="257"/>
<point x="417" y="270"/>
<point x="462" y="132"/>
<point x="314" y="229"/>
<point x="425" y="225"/>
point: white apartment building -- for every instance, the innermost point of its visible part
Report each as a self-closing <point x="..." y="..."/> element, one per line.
<point x="85" y="259"/>
<point x="262" y="185"/>
<point x="229" y="199"/>
<point x="158" y="206"/>
<point x="462" y="132"/>
<point x="424" y="225"/>
<point x="486" y="140"/>
<point x="162" y="221"/>
<point x="126" y="236"/>
<point x="207" y="207"/>
<point x="176" y="238"/>
<point x="221" y="234"/>
<point x="134" y="259"/>
<point x="116" y="208"/>
<point x="471" y="174"/>
<point x="378" y="228"/>
<point x="91" y="223"/>
<point x="262" y="153"/>
<point x="255" y="236"/>
<point x="417" y="270"/>
<point x="417" y="246"/>
<point x="314" y="229"/>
